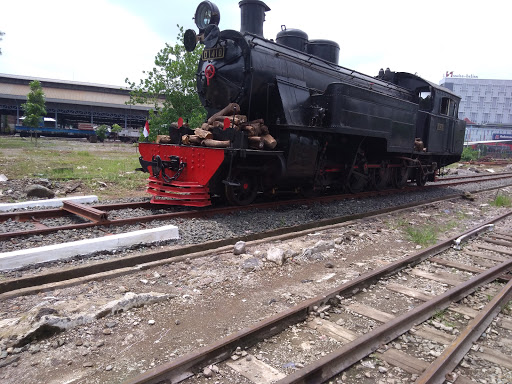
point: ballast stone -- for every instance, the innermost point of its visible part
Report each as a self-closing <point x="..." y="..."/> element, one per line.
<point x="239" y="248"/>
<point x="276" y="255"/>
<point x="36" y="190"/>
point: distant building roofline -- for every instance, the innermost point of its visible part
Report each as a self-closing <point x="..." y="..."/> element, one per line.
<point x="471" y="79"/>
<point x="58" y="81"/>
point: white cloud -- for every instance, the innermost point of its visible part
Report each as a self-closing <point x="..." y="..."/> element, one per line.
<point x="105" y="41"/>
<point x="90" y="41"/>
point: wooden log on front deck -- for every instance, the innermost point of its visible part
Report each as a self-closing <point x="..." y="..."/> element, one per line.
<point x="191" y="140"/>
<point x="255" y="142"/>
<point x="203" y="134"/>
<point x="228" y="110"/>
<point x="255" y="129"/>
<point x="257" y="121"/>
<point x="163" y="139"/>
<point x="269" y="141"/>
<point x="216" y="143"/>
<point x="237" y="119"/>
<point x="251" y="131"/>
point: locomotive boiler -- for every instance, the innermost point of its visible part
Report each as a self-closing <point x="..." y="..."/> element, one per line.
<point x="332" y="128"/>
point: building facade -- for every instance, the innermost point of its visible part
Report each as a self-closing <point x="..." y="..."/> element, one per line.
<point x="70" y="103"/>
<point x="484" y="101"/>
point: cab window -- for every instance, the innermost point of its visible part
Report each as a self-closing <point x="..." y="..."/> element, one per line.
<point x="453" y="109"/>
<point x="425" y="100"/>
<point x="448" y="107"/>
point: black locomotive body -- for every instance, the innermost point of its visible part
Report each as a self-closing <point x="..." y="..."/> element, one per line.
<point x="335" y="128"/>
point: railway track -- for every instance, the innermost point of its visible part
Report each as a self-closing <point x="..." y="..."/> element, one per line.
<point x="117" y="266"/>
<point x="46" y="281"/>
<point x="97" y="215"/>
<point x="451" y="178"/>
<point x="378" y="321"/>
<point x="112" y="273"/>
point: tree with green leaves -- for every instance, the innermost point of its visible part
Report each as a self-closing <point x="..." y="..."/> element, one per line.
<point x="116" y="128"/>
<point x="35" y="107"/>
<point x="101" y="133"/>
<point x="171" y="88"/>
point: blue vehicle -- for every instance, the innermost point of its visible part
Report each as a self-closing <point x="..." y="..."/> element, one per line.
<point x="84" y="130"/>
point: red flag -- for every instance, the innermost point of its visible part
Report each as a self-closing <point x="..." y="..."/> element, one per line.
<point x="146" y="129"/>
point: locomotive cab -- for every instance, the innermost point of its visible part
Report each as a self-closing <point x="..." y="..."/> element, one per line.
<point x="437" y="126"/>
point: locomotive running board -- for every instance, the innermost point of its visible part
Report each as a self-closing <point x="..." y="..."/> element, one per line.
<point x="179" y="193"/>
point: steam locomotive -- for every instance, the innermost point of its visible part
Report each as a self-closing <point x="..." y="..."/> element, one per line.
<point x="335" y="128"/>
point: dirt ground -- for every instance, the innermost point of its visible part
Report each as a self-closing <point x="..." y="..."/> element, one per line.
<point x="208" y="298"/>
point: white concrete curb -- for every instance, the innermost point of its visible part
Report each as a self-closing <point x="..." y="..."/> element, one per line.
<point x="17" y="259"/>
<point x="48" y="203"/>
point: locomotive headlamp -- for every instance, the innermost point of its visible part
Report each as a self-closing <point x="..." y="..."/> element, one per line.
<point x="206" y="13"/>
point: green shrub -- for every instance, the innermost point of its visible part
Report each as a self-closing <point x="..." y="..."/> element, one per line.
<point x="502" y="201"/>
<point x="101" y="132"/>
<point x="469" y="154"/>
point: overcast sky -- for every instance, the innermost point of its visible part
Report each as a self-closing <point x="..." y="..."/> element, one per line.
<point x="105" y="41"/>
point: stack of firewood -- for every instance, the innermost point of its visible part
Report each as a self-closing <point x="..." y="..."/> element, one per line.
<point x="257" y="131"/>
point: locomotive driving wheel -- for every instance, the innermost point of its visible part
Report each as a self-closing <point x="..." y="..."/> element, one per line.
<point x="400" y="176"/>
<point x="356" y="182"/>
<point x="421" y="177"/>
<point x="242" y="189"/>
<point x="380" y="177"/>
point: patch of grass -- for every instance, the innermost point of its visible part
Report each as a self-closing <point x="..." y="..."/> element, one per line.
<point x="83" y="154"/>
<point x="502" y="201"/>
<point x="426" y="235"/>
<point x="449" y="225"/>
<point x="93" y="164"/>
<point x="439" y="316"/>
<point x="508" y="307"/>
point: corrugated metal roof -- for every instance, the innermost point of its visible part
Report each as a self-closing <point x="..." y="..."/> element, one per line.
<point x="69" y="95"/>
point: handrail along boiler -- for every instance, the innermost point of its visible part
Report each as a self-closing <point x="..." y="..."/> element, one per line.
<point x="334" y="128"/>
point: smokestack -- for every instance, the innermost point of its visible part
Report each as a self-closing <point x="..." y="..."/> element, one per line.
<point x="253" y="16"/>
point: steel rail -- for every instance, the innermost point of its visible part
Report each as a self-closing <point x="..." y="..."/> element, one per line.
<point x="152" y="256"/>
<point x="40" y="280"/>
<point x="221" y="210"/>
<point x="453" y="354"/>
<point x="85" y="211"/>
<point x="339" y="360"/>
<point x="443" y="178"/>
<point x="59" y="212"/>
<point x="191" y="363"/>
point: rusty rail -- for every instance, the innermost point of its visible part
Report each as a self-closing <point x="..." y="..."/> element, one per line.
<point x="220" y="210"/>
<point x="87" y="212"/>
<point x="453" y="354"/>
<point x="333" y="363"/>
<point x="337" y="361"/>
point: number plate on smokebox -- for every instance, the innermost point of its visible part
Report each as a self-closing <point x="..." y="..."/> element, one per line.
<point x="213" y="53"/>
